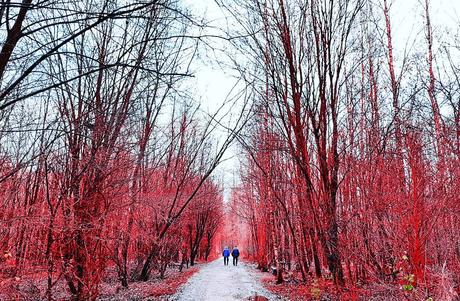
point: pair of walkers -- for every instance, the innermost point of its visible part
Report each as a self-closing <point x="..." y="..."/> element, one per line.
<point x="235" y="254"/>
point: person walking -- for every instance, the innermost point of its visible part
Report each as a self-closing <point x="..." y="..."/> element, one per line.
<point x="226" y="254"/>
<point x="235" y="254"/>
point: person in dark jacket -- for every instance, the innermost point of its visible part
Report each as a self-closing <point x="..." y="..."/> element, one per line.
<point x="226" y="254"/>
<point x="235" y="254"/>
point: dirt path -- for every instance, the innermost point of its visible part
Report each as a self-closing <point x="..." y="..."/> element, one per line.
<point x="218" y="282"/>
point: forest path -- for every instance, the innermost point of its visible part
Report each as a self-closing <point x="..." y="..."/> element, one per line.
<point x="218" y="282"/>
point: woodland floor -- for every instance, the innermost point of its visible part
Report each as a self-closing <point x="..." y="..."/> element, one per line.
<point x="224" y="283"/>
<point x="32" y="287"/>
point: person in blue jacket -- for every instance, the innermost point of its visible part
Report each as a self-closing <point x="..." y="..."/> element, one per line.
<point x="235" y="254"/>
<point x="226" y="254"/>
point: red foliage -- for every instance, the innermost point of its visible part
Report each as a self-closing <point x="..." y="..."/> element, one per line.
<point x="317" y="290"/>
<point x="350" y="164"/>
<point x="344" y="180"/>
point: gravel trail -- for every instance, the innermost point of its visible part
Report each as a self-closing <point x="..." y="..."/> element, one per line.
<point x="216" y="282"/>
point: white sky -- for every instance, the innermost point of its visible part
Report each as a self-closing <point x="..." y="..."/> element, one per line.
<point x="212" y="84"/>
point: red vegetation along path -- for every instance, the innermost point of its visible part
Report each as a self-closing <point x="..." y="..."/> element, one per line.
<point x="350" y="185"/>
<point x="349" y="178"/>
<point x="104" y="169"/>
